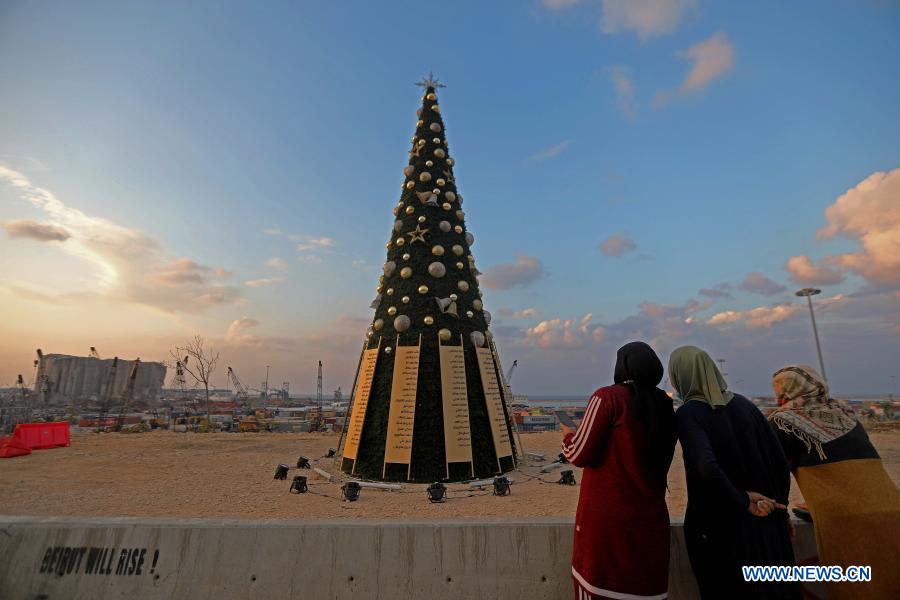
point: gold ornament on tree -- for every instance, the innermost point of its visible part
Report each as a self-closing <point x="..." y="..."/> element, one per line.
<point x="417" y="235"/>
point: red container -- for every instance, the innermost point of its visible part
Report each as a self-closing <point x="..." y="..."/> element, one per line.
<point x="11" y="447"/>
<point x="40" y="436"/>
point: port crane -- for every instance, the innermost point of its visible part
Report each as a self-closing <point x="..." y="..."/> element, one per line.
<point x="107" y="392"/>
<point x="240" y="391"/>
<point x="127" y="394"/>
<point x="316" y="424"/>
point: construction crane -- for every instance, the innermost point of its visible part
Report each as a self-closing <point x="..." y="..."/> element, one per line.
<point x="42" y="385"/>
<point x="240" y="392"/>
<point x="509" y="373"/>
<point x="26" y="403"/>
<point x="318" y="421"/>
<point x="94" y="353"/>
<point x="127" y="394"/>
<point x="107" y="393"/>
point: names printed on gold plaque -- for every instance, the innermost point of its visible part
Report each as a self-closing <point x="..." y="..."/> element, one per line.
<point x="457" y="431"/>
<point x="402" y="413"/>
<point x="496" y="416"/>
<point x="361" y="402"/>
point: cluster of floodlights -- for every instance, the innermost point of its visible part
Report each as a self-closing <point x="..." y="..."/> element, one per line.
<point x="435" y="493"/>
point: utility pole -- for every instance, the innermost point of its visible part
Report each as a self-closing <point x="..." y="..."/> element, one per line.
<point x="808" y="293"/>
<point x="266" y="393"/>
<point x="721" y="362"/>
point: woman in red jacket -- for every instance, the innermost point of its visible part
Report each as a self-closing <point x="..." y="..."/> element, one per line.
<point x="625" y="444"/>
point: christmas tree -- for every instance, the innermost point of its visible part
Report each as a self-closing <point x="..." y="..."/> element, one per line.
<point x="429" y="399"/>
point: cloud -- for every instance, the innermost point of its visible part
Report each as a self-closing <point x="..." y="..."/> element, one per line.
<point x="757" y="283"/>
<point x="720" y="290"/>
<point x="263" y="281"/>
<point x="305" y="242"/>
<point x="129" y="265"/>
<point x="552" y="151"/>
<point x="308" y="242"/>
<point x="525" y="313"/>
<point x="42" y="232"/>
<point x="869" y="214"/>
<point x="617" y="245"/>
<point x="568" y="333"/>
<point x="803" y="271"/>
<point x="620" y="76"/>
<point x="559" y="4"/>
<point x="237" y="331"/>
<point x="524" y="271"/>
<point x="767" y="316"/>
<point x="646" y="18"/>
<point x="710" y="59"/>
<point x="277" y="263"/>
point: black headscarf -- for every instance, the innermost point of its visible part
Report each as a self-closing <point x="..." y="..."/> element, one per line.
<point x="638" y="367"/>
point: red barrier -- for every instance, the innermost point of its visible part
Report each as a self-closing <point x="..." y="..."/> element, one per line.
<point x="40" y="436"/>
<point x="11" y="447"/>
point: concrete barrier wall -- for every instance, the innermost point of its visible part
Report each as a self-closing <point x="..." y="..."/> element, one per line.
<point x="50" y="558"/>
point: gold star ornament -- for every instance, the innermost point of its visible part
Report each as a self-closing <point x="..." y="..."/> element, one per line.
<point x="417" y="235"/>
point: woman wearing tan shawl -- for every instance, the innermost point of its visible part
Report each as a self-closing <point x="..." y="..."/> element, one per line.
<point x="854" y="504"/>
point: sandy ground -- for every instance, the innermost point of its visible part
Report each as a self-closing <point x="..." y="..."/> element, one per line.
<point x="162" y="474"/>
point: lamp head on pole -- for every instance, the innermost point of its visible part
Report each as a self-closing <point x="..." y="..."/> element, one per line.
<point x="807" y="292"/>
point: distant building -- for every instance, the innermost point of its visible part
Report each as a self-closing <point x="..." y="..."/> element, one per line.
<point x="63" y="379"/>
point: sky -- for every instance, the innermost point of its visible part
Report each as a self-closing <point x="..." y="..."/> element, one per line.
<point x="663" y="170"/>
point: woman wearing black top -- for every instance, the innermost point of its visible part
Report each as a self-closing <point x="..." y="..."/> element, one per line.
<point x="737" y="480"/>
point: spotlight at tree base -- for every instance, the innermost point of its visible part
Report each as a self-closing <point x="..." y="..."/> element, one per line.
<point x="281" y="471"/>
<point x="350" y="491"/>
<point x="437" y="492"/>
<point x="298" y="486"/>
<point x="567" y="477"/>
<point x="303" y="463"/>
<point x="331" y="453"/>
<point x="501" y="486"/>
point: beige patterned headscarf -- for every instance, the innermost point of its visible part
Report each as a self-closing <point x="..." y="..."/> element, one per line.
<point x="806" y="411"/>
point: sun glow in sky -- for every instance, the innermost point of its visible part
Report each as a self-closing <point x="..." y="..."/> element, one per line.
<point x="665" y="170"/>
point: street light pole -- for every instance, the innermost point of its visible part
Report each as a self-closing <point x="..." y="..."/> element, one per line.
<point x="808" y="293"/>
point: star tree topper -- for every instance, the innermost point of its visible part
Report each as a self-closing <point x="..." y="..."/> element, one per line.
<point x="430" y="82"/>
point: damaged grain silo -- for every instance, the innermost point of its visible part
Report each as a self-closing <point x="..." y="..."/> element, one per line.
<point x="63" y="379"/>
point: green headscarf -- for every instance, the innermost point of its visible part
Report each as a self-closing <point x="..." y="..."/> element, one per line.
<point x="695" y="376"/>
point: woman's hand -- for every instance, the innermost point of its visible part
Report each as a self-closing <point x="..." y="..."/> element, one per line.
<point x="762" y="506"/>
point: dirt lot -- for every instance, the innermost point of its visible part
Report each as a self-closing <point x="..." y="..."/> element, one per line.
<point x="162" y="474"/>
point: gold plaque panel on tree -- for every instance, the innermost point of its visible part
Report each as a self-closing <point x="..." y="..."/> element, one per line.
<point x="499" y="427"/>
<point x="455" y="396"/>
<point x="361" y="402"/>
<point x="402" y="413"/>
